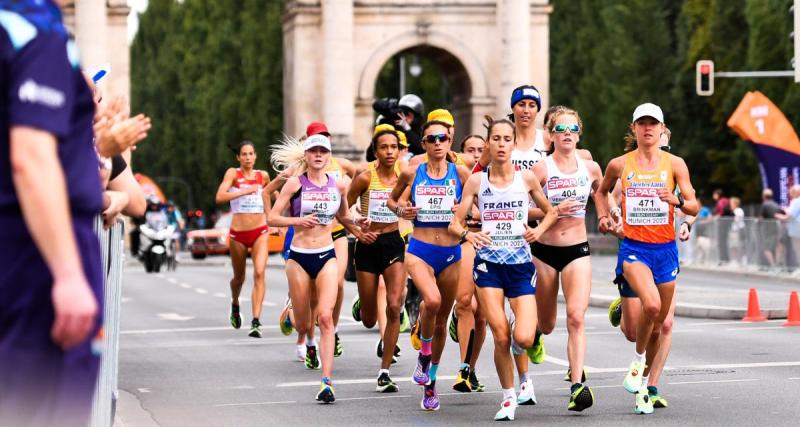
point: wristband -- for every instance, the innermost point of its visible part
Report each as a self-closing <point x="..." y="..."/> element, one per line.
<point x="463" y="236"/>
<point x="680" y="201"/>
<point x="399" y="210"/>
<point x="689" y="226"/>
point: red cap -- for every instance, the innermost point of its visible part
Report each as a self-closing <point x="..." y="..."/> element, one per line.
<point x="316" y="128"/>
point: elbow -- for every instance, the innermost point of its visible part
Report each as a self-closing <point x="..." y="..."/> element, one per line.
<point x="136" y="205"/>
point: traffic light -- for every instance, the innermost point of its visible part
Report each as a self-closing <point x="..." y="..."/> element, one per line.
<point x="705" y="77"/>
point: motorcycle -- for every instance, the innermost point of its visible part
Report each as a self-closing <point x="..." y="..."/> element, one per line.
<point x="156" y="247"/>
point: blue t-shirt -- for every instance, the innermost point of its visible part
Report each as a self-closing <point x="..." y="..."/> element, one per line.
<point x="42" y="87"/>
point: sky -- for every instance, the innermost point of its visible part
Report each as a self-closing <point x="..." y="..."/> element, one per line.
<point x="137" y="6"/>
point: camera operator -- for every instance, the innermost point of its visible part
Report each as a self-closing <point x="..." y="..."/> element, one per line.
<point x="406" y="115"/>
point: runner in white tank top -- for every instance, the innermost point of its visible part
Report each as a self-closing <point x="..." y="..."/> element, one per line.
<point x="502" y="268"/>
<point x="563" y="251"/>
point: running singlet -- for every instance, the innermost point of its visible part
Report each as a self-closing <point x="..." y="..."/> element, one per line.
<point x="322" y="201"/>
<point x="249" y="203"/>
<point x="373" y="201"/>
<point x="560" y="186"/>
<point x="647" y="218"/>
<point x="435" y="197"/>
<point x="526" y="159"/>
<point x="504" y="213"/>
<point x="335" y="170"/>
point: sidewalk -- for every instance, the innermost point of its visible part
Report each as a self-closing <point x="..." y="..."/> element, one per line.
<point x="710" y="293"/>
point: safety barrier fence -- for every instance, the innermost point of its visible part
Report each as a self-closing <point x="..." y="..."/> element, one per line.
<point x="112" y="251"/>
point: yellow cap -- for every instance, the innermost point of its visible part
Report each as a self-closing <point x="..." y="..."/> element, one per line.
<point x="403" y="140"/>
<point x="441" y="115"/>
<point x="383" y="128"/>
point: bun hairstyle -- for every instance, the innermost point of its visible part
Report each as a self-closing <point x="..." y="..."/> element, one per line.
<point x="238" y="147"/>
<point x="492" y="122"/>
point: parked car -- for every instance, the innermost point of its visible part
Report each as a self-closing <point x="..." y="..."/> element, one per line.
<point x="215" y="241"/>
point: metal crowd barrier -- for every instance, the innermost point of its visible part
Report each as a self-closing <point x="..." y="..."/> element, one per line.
<point x="745" y="244"/>
<point x="106" y="392"/>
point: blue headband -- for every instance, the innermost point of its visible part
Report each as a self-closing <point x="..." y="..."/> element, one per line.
<point x="526" y="92"/>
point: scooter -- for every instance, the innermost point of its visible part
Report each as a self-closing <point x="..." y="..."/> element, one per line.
<point x="156" y="246"/>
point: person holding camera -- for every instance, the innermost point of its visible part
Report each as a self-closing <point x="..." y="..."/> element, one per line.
<point x="406" y="115"/>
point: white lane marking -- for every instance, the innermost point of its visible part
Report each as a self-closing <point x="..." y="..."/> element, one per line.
<point x="754" y="328"/>
<point x="732" y="322"/>
<point x="562" y="362"/>
<point x="201" y="291"/>
<point x="593" y="370"/>
<point x="269" y="304"/>
<point x="174" y="316"/>
<point x="220" y="295"/>
<point x="236" y="387"/>
<point x="143" y="390"/>
<point x="172" y="280"/>
<point x="794" y="378"/>
<point x="256" y="403"/>
<point x="185" y="285"/>
<point x="219" y="328"/>
<point x="715" y="381"/>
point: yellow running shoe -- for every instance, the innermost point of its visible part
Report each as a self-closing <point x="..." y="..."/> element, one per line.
<point x="537" y="352"/>
<point x="615" y="312"/>
<point x="416" y="342"/>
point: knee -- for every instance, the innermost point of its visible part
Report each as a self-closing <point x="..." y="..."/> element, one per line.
<point x="325" y="319"/>
<point x="546" y="326"/>
<point x="524" y="340"/>
<point x="238" y="279"/>
<point x="575" y="320"/>
<point x="464" y="303"/>
<point x="433" y="304"/>
<point x="502" y="342"/>
<point x="651" y="309"/>
<point x="258" y="278"/>
<point x="393" y="311"/>
<point x="666" y="327"/>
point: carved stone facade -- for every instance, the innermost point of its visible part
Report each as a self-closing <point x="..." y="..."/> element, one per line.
<point x="100" y="28"/>
<point x="335" y="49"/>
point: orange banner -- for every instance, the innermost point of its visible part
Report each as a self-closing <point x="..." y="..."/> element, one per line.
<point x="149" y="187"/>
<point x="759" y="121"/>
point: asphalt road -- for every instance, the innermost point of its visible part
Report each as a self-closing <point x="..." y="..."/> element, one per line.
<point x="182" y="364"/>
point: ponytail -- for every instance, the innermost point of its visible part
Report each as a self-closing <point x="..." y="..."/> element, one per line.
<point x="289" y="153"/>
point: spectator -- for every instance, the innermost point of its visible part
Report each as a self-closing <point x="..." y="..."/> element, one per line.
<point x="702" y="230"/>
<point x="770" y="228"/>
<point x="737" y="234"/>
<point x="792" y="218"/>
<point x="50" y="193"/>
<point x="174" y="218"/>
<point x="722" y="216"/>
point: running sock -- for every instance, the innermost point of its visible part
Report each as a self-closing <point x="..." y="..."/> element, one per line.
<point x="425" y="350"/>
<point x="327" y="381"/>
<point x="508" y="393"/>
<point x="639" y="357"/>
<point x="537" y="337"/>
<point x="462" y="366"/>
<point x="644" y="380"/>
<point x="311" y="342"/>
<point x="651" y="389"/>
<point x="523" y="377"/>
<point x="575" y="387"/>
<point x="383" y="371"/>
<point x="432" y="371"/>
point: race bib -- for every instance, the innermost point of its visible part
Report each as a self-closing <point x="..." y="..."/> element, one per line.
<point x="249" y="203"/>
<point x="324" y="204"/>
<point x="435" y="202"/>
<point x="505" y="227"/>
<point x="643" y="207"/>
<point x="378" y="211"/>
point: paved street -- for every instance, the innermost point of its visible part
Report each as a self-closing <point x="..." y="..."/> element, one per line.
<point x="182" y="364"/>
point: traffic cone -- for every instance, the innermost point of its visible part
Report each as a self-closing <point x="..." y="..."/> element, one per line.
<point x="793" y="319"/>
<point x="753" y="310"/>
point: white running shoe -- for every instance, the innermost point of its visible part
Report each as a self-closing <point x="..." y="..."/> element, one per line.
<point x="633" y="379"/>
<point x="644" y="405"/>
<point x="507" y="409"/>
<point x="526" y="395"/>
<point x="300" y="352"/>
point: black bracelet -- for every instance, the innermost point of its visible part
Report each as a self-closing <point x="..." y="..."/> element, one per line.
<point x="689" y="226"/>
<point x="680" y="201"/>
<point x="463" y="236"/>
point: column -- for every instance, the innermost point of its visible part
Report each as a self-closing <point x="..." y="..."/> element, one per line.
<point x="514" y="20"/>
<point x="338" y="108"/>
<point x="90" y="32"/>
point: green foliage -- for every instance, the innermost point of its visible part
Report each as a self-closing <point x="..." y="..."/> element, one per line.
<point x="210" y="75"/>
<point x="607" y="57"/>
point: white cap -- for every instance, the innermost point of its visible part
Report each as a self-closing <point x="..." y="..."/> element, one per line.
<point x="648" y="110"/>
<point x="317" y="140"/>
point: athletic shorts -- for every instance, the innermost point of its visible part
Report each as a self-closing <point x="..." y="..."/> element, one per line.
<point x="338" y="234"/>
<point x="438" y="257"/>
<point x="312" y="260"/>
<point x="248" y="237"/>
<point x="388" y="249"/>
<point x="559" y="257"/>
<point x="660" y="258"/>
<point x="515" y="280"/>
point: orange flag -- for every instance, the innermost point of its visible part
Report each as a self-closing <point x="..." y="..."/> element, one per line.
<point x="759" y="121"/>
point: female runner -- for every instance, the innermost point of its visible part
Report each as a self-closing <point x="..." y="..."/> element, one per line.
<point x="243" y="188"/>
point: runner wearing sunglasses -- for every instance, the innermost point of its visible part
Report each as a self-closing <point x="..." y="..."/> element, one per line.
<point x="562" y="253"/>
<point x="433" y="254"/>
<point x="648" y="255"/>
<point x="502" y="266"/>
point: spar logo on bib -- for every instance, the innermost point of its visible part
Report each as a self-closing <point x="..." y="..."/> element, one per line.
<point x="560" y="183"/>
<point x="433" y="190"/>
<point x="641" y="192"/>
<point x="498" y="216"/>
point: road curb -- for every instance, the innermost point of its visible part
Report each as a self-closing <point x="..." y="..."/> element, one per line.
<point x="784" y="277"/>
<point x="696" y="311"/>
